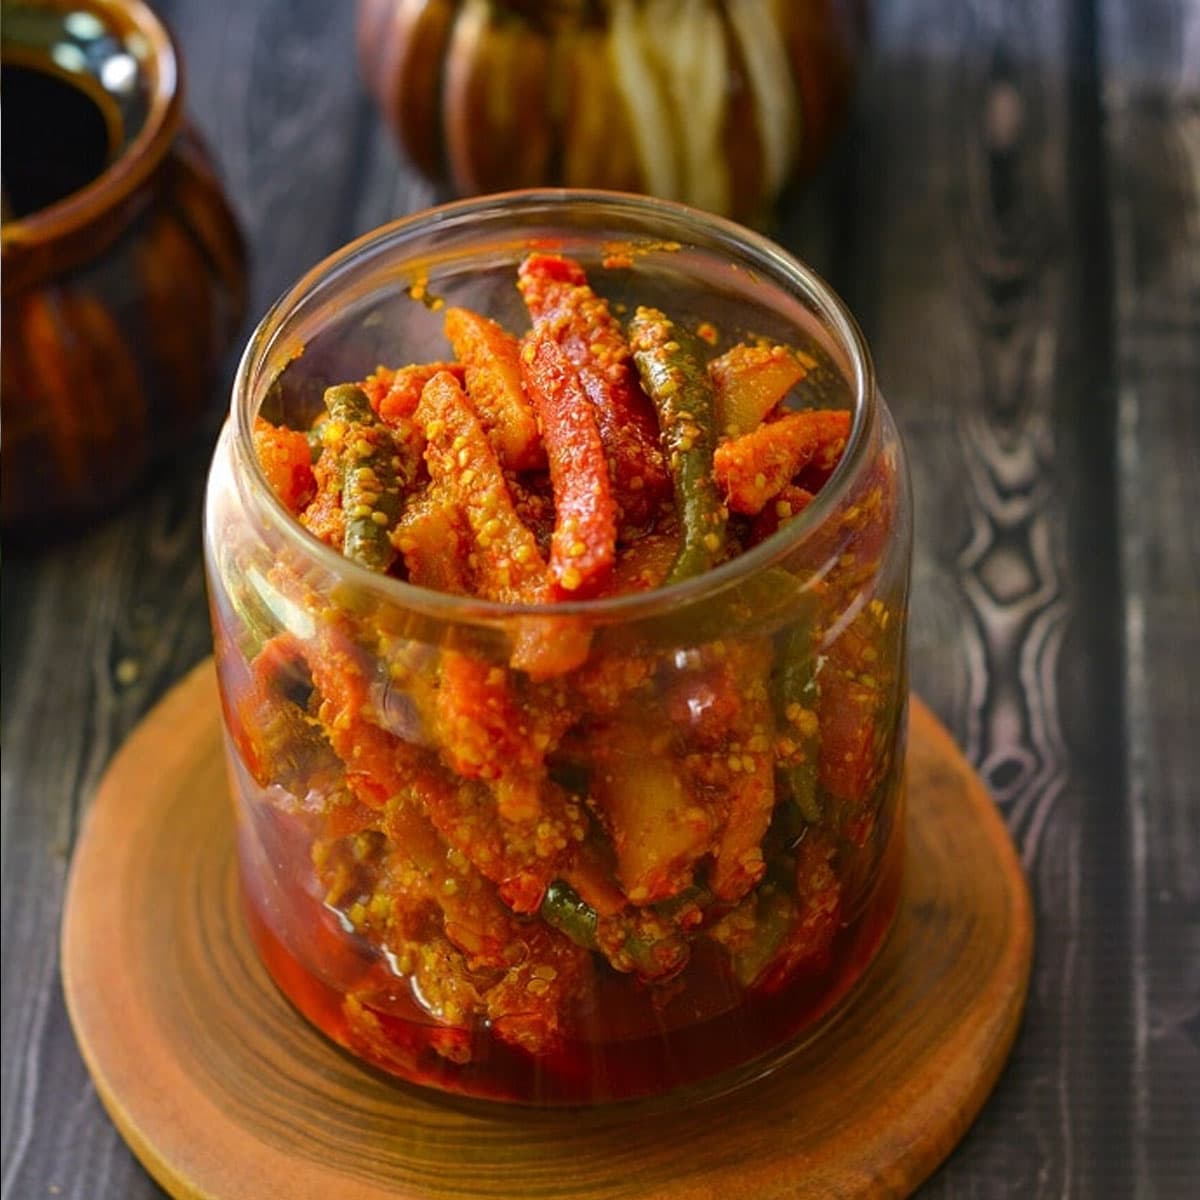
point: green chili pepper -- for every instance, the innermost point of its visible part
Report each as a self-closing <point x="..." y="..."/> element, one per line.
<point x="797" y="695"/>
<point x="371" y="465"/>
<point x="348" y="402"/>
<point x="640" y="941"/>
<point x="802" y="782"/>
<point x="775" y="913"/>
<point x="670" y="361"/>
<point x="562" y="908"/>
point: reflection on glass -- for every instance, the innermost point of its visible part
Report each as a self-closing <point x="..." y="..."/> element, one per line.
<point x="69" y="56"/>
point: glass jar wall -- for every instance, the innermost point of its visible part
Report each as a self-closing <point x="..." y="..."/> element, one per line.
<point x="590" y="850"/>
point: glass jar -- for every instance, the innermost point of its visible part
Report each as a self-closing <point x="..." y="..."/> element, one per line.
<point x="746" y="725"/>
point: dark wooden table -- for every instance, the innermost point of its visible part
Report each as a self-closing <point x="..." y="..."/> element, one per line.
<point x="1015" y="218"/>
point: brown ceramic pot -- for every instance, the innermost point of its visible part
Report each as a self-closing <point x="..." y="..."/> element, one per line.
<point x="123" y="267"/>
<point x="715" y="102"/>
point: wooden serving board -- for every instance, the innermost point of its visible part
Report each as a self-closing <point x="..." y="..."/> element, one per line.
<point x="225" y="1093"/>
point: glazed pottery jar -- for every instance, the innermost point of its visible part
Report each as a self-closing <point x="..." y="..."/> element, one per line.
<point x="123" y="267"/>
<point x="714" y="102"/>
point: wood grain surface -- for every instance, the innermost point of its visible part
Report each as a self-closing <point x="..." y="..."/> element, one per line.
<point x="1015" y="217"/>
<point x="224" y="1091"/>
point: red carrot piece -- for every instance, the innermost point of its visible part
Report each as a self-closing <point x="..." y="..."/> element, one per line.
<point x="395" y="394"/>
<point x="583" y="546"/>
<point x="484" y="733"/>
<point x="323" y="517"/>
<point x="287" y="463"/>
<point x="491" y="357"/>
<point x="526" y="1008"/>
<point x="756" y="467"/>
<point x="786" y="506"/>
<point x="561" y="303"/>
<point x="433" y="540"/>
<point x="505" y="559"/>
<point x="848" y="710"/>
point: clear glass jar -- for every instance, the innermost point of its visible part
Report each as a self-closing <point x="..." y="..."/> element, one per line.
<point x="748" y="723"/>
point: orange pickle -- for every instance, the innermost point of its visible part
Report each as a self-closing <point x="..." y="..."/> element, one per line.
<point x="531" y="807"/>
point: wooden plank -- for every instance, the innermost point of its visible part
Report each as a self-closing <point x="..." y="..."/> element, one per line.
<point x="1152" y="109"/>
<point x="978" y="269"/>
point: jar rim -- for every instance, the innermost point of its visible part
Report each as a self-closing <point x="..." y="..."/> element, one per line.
<point x="67" y="217"/>
<point x="782" y="267"/>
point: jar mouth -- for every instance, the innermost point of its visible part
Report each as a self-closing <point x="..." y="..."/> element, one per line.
<point x="781" y="267"/>
<point x="146" y="55"/>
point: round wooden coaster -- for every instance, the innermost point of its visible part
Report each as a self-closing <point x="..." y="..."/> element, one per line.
<point x="225" y="1093"/>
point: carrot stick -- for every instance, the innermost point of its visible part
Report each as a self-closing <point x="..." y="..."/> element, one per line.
<point x="737" y="859"/>
<point x="583" y="546"/>
<point x="504" y="558"/>
<point x="287" y="463"/>
<point x="556" y="292"/>
<point x="756" y="467"/>
<point x="504" y="555"/>
<point x="395" y="394"/>
<point x="432" y="539"/>
<point x="484" y="733"/>
<point x="492" y="361"/>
